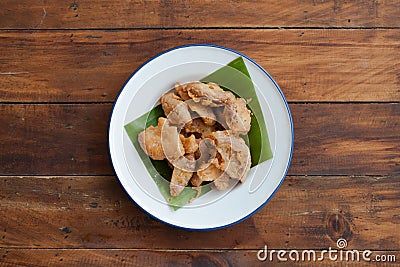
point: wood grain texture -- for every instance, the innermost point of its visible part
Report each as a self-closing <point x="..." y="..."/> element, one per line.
<point x="63" y="62"/>
<point x="70" y="139"/>
<point x="23" y="14"/>
<point x="127" y="257"/>
<point x="92" y="66"/>
<point x="346" y="139"/>
<point x="59" y="139"/>
<point x="94" y="212"/>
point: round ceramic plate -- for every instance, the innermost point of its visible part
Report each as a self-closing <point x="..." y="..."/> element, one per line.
<point x="215" y="209"/>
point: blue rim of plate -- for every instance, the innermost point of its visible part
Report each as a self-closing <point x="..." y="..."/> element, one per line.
<point x="291" y="130"/>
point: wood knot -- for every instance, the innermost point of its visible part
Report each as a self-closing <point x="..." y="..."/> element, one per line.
<point x="337" y="226"/>
<point x="74" y="6"/>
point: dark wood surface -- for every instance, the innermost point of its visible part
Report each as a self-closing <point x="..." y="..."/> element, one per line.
<point x="71" y="139"/>
<point x="62" y="63"/>
<point x="50" y="14"/>
<point x="308" y="212"/>
<point x="311" y="65"/>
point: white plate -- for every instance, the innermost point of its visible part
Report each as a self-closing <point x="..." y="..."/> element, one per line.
<point x="215" y="209"/>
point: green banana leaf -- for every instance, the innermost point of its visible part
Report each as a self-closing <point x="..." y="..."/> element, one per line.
<point x="234" y="77"/>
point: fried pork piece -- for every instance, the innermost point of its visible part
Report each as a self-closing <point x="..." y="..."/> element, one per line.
<point x="181" y="91"/>
<point x="205" y="112"/>
<point x="206" y="153"/>
<point x="198" y="126"/>
<point x="176" y="110"/>
<point x="235" y="158"/>
<point x="150" y="140"/>
<point x="187" y="164"/>
<point x="237" y="116"/>
<point x="189" y="143"/>
<point x="208" y="174"/>
<point x="209" y="94"/>
<point x="171" y="142"/>
<point x="220" y="117"/>
<point x="223" y="182"/>
<point x="169" y="101"/>
<point x="211" y="172"/>
<point x="180" y="178"/>
<point x="161" y="141"/>
<point x="195" y="180"/>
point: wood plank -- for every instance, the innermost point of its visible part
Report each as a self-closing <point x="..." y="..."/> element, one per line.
<point x="346" y="139"/>
<point x="94" y="212"/>
<point x="71" y="139"/>
<point x="92" y="66"/>
<point x="54" y="139"/>
<point x="23" y="14"/>
<point x="126" y="257"/>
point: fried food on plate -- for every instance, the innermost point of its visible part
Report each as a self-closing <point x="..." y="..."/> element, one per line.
<point x="200" y="136"/>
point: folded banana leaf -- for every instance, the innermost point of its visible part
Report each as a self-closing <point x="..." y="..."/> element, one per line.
<point x="234" y="77"/>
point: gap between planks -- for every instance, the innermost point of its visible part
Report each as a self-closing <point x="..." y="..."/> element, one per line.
<point x="167" y="250"/>
<point x="289" y="102"/>
<point x="51" y="176"/>
<point x="205" y="28"/>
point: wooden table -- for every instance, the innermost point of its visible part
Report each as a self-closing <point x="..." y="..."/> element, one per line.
<point x="62" y="64"/>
